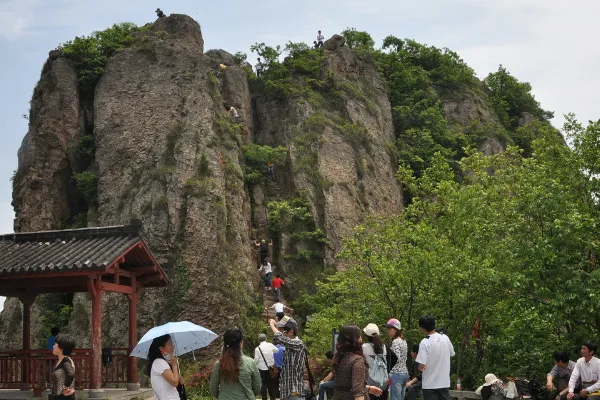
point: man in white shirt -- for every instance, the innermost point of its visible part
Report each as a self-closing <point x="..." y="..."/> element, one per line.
<point x="434" y="360"/>
<point x="263" y="357"/>
<point x="279" y="308"/>
<point x="587" y="369"/>
<point x="320" y="39"/>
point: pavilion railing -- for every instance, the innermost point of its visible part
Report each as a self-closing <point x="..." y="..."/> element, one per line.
<point x="32" y="369"/>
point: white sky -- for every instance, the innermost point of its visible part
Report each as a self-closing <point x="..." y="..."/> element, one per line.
<point x="550" y="43"/>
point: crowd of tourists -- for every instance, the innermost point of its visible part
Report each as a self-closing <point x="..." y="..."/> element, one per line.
<point x="567" y="380"/>
<point x="360" y="369"/>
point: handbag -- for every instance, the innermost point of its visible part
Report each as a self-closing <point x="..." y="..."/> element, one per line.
<point x="181" y="391"/>
<point x="273" y="371"/>
<point x="310" y="394"/>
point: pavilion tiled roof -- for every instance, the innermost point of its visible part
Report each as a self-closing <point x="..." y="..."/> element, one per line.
<point x="65" y="250"/>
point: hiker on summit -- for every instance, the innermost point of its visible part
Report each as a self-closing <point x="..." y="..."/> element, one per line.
<point x="263" y="246"/>
<point x="259" y="67"/>
<point x="279" y="308"/>
<point x="159" y="13"/>
<point x="320" y="39"/>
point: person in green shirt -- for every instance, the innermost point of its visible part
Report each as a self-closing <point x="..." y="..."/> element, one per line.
<point x="234" y="376"/>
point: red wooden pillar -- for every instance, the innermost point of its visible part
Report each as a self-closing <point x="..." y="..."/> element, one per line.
<point x="96" y="292"/>
<point x="133" y="382"/>
<point x="25" y="381"/>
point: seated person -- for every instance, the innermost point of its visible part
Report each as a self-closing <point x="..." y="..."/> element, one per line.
<point x="327" y="382"/>
<point x="413" y="387"/>
<point x="586" y="371"/>
<point x="561" y="372"/>
<point x="493" y="388"/>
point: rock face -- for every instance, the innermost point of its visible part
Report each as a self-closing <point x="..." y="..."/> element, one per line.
<point x="334" y="43"/>
<point x="349" y="174"/>
<point x="465" y="107"/>
<point x="167" y="152"/>
<point x="42" y="185"/>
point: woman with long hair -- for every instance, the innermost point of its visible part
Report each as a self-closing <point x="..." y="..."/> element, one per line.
<point x="163" y="369"/>
<point x="63" y="382"/>
<point x="373" y="348"/>
<point x="234" y="376"/>
<point x="350" y="368"/>
<point x="399" y="371"/>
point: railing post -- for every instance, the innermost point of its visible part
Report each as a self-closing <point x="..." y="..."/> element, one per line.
<point x="96" y="292"/>
<point x="25" y="367"/>
<point x="133" y="382"/>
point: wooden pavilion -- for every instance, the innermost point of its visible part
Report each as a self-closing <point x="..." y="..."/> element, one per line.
<point x="93" y="260"/>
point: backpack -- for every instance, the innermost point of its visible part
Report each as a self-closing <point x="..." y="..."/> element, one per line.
<point x="378" y="373"/>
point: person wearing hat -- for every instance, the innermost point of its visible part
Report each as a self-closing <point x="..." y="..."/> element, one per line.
<point x="291" y="381"/>
<point x="492" y="387"/>
<point x="371" y="349"/>
<point x="374" y="344"/>
<point x="399" y="372"/>
<point x="234" y="376"/>
<point x="264" y="357"/>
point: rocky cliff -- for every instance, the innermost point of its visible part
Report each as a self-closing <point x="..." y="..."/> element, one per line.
<point x="151" y="139"/>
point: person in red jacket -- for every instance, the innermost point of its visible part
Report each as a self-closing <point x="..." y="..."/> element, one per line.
<point x="276" y="285"/>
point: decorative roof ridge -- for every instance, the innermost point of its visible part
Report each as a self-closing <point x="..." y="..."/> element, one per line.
<point x="133" y="229"/>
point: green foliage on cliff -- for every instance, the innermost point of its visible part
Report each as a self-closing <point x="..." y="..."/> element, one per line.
<point x="90" y="53"/>
<point x="358" y="39"/>
<point x="299" y="73"/>
<point x="510" y="98"/>
<point x="512" y="252"/>
<point x="86" y="183"/>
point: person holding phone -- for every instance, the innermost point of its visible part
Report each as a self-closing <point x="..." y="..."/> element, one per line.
<point x="163" y="369"/>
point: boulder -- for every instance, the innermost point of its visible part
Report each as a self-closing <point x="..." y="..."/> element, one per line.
<point x="334" y="43"/>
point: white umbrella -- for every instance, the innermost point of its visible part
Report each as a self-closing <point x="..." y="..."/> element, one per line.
<point x="186" y="337"/>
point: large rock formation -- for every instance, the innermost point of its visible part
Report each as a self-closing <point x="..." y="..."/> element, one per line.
<point x="42" y="187"/>
<point x="167" y="152"/>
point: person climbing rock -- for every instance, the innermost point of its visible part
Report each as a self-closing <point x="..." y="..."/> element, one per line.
<point x="159" y="13"/>
<point x="233" y="112"/>
<point x="267" y="271"/>
<point x="276" y="285"/>
<point x="320" y="39"/>
<point x="279" y="308"/>
<point x="263" y="246"/>
<point x="271" y="169"/>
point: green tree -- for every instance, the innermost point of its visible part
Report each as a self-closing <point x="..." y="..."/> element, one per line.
<point x="358" y="39"/>
<point x="90" y="53"/>
<point x="510" y="98"/>
<point x="513" y="248"/>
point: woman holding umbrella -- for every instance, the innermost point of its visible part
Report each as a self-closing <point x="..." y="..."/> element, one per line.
<point x="163" y="369"/>
<point x="234" y="376"/>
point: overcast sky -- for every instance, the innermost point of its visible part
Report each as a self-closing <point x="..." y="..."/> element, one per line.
<point x="550" y="43"/>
